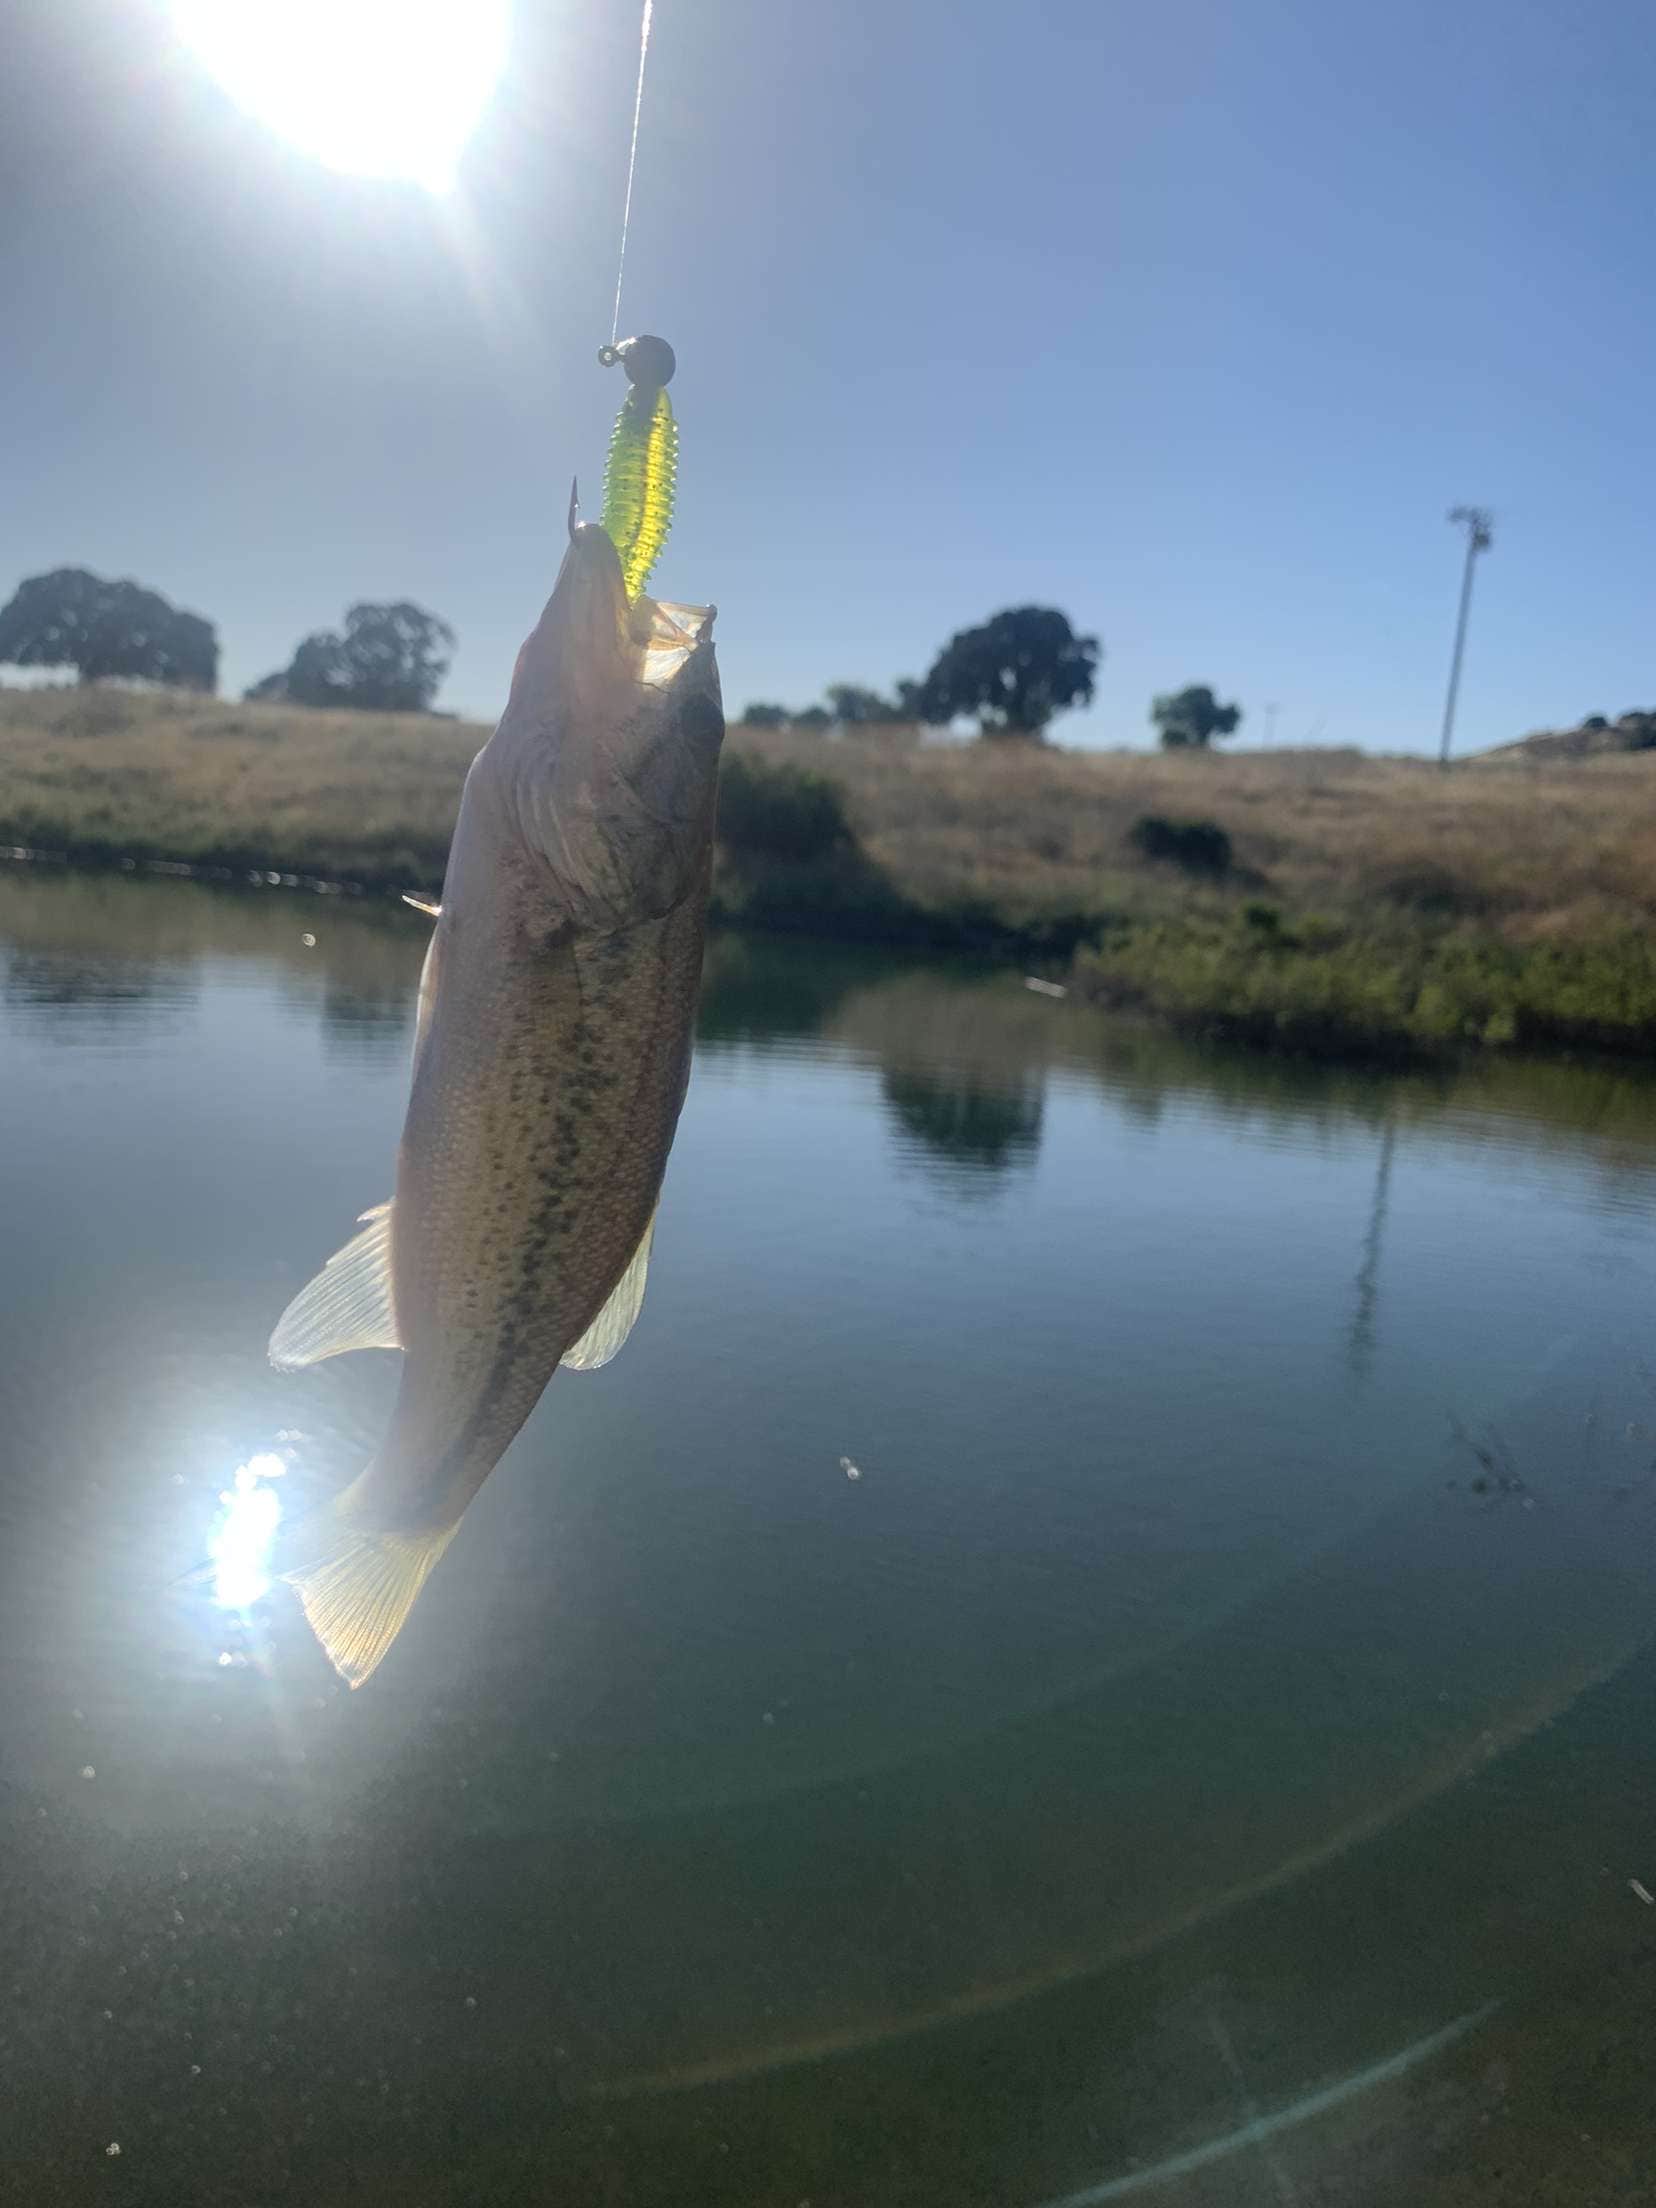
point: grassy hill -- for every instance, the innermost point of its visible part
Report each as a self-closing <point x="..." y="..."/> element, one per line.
<point x="1366" y="903"/>
<point x="1596" y="738"/>
<point x="106" y="773"/>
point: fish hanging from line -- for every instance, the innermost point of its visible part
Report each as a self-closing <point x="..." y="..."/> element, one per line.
<point x="552" y="1049"/>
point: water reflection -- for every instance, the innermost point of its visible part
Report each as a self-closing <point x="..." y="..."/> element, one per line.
<point x="97" y="995"/>
<point x="975" y="1131"/>
<point x="88" y="954"/>
<point x="964" y="1056"/>
<point x="358" y="1024"/>
<point x="759" y="990"/>
<point x="1360" y="1338"/>
<point x="727" y="1799"/>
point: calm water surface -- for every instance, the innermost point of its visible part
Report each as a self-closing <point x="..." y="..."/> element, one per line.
<point x="1095" y="1644"/>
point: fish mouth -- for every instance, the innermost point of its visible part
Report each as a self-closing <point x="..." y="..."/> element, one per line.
<point x="589" y="599"/>
<point x="592" y="638"/>
<point x="580" y="641"/>
<point x="591" y="614"/>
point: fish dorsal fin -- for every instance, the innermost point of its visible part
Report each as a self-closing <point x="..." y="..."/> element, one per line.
<point x="421" y="904"/>
<point x="347" y="1306"/>
<point x="615" y="1322"/>
<point x="357" y="1588"/>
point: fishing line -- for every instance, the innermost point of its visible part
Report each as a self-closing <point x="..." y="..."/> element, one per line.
<point x="642" y="468"/>
<point x="632" y="161"/>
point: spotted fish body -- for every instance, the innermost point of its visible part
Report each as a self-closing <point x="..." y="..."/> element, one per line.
<point x="550" y="1062"/>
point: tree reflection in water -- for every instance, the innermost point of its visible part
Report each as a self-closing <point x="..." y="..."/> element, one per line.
<point x="962" y="1129"/>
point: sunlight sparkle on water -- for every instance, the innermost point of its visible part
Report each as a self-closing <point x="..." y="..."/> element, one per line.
<point x="387" y="88"/>
<point x="240" y="1543"/>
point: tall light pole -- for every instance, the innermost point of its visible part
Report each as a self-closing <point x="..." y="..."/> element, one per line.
<point x="1479" y="524"/>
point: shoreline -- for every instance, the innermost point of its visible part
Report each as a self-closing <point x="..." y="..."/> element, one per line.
<point x="1319" y="904"/>
<point x="1323" y="996"/>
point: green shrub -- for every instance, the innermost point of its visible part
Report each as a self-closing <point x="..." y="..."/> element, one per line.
<point x="779" y="812"/>
<point x="1199" y="846"/>
<point x="1422" y="884"/>
<point x="1395" y="994"/>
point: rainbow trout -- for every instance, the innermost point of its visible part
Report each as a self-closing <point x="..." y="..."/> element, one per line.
<point x="551" y="1052"/>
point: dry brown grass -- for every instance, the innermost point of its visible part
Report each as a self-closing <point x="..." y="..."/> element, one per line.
<point x="1531" y="851"/>
<point x="157" y="775"/>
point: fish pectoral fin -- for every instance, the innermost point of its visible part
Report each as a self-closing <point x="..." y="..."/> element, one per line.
<point x="356" y="1587"/>
<point x="615" y="1322"/>
<point x="347" y="1306"/>
<point x="421" y="904"/>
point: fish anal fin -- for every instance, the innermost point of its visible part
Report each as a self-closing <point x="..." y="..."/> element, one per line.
<point x="357" y="1587"/>
<point x="609" y="1330"/>
<point x="347" y="1306"/>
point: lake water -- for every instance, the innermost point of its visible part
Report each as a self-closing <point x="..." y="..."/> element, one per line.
<point x="1095" y="1644"/>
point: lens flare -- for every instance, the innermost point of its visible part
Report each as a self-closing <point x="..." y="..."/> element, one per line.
<point x="1260" y="2128"/>
<point x="244" y="1533"/>
<point x="386" y="88"/>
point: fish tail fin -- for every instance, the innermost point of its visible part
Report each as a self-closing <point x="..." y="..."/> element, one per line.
<point x="357" y="1584"/>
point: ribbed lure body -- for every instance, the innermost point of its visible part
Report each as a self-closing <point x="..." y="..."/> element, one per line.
<point x="638" y="482"/>
<point x="643" y="458"/>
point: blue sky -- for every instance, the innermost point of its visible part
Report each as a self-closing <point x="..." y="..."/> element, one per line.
<point x="1193" y="320"/>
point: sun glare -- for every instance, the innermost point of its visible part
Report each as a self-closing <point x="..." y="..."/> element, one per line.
<point x="240" y="1543"/>
<point x="388" y="88"/>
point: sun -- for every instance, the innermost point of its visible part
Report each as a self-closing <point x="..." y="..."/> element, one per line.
<point x="388" y="88"/>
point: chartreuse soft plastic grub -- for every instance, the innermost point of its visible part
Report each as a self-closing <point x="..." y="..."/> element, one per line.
<point x="643" y="458"/>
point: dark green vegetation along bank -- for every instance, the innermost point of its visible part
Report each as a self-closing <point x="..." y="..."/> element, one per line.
<point x="1311" y="901"/>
